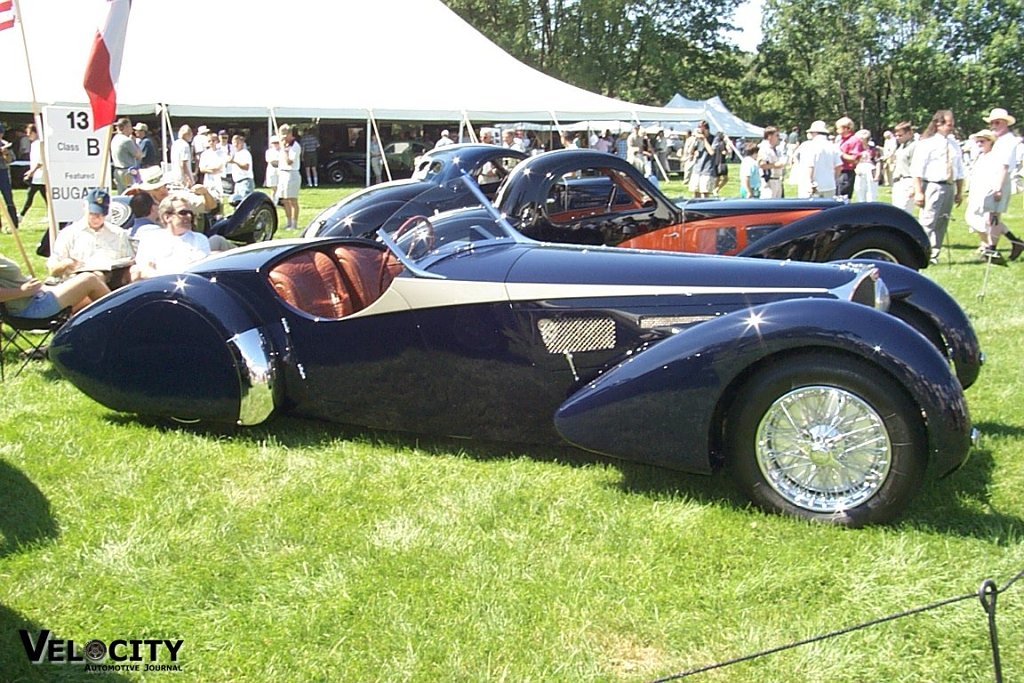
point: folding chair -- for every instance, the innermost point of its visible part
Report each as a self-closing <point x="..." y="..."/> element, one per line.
<point x="27" y="336"/>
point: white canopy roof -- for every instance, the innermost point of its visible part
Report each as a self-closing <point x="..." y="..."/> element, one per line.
<point x="390" y="59"/>
<point x="718" y="116"/>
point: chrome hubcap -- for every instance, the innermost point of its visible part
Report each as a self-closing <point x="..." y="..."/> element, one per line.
<point x="823" y="449"/>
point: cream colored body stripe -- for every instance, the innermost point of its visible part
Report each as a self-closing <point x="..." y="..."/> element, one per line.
<point x="421" y="293"/>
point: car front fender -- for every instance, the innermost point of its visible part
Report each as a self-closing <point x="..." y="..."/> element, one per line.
<point x="664" y="405"/>
<point x="944" y="321"/>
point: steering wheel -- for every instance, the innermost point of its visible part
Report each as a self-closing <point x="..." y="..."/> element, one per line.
<point x="418" y="234"/>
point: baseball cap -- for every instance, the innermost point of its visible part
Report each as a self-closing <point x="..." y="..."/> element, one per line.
<point x="98" y="201"/>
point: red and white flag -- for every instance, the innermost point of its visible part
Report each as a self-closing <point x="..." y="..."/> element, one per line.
<point x="105" y="64"/>
<point x="6" y="14"/>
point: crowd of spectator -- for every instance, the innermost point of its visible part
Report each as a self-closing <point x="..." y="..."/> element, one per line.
<point x="927" y="171"/>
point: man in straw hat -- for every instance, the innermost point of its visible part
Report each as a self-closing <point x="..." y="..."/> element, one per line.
<point x="819" y="163"/>
<point x="1004" y="152"/>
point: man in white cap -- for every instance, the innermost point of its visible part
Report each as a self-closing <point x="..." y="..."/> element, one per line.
<point x="1004" y="150"/>
<point x="819" y="164"/>
<point x="444" y="140"/>
<point x="181" y="158"/>
<point x="635" y="149"/>
<point x="150" y="157"/>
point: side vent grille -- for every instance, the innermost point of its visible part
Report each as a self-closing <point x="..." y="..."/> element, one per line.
<point x="576" y="335"/>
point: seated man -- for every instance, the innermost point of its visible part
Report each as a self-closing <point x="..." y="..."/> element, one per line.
<point x="174" y="248"/>
<point x="27" y="297"/>
<point x="146" y="215"/>
<point x="91" y="244"/>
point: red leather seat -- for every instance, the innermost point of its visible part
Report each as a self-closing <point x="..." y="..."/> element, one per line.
<point x="363" y="270"/>
<point x="310" y="281"/>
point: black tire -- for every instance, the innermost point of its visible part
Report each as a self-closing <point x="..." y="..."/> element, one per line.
<point x="826" y="437"/>
<point x="920" y="322"/>
<point x="876" y="244"/>
<point x="336" y="174"/>
<point x="264" y="221"/>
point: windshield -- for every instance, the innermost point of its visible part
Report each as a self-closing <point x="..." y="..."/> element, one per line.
<point x="421" y="240"/>
<point x="428" y="169"/>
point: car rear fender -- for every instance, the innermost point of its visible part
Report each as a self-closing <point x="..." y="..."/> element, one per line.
<point x="664" y="405"/>
<point x="174" y="346"/>
<point x="813" y="238"/>
<point x="240" y="224"/>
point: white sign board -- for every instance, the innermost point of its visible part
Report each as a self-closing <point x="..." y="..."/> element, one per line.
<point x="74" y="158"/>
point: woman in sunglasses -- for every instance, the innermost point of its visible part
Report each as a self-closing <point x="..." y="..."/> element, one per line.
<point x="174" y="248"/>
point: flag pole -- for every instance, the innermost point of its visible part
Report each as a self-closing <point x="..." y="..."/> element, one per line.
<point x="39" y="127"/>
<point x="105" y="160"/>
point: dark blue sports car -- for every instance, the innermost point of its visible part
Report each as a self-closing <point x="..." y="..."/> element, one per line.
<point x="436" y="185"/>
<point x="794" y="376"/>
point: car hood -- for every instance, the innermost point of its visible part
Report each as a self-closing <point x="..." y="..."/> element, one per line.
<point x="535" y="271"/>
<point x="611" y="268"/>
<point x="368" y="203"/>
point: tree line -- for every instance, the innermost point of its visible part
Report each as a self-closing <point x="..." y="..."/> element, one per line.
<point x="878" y="62"/>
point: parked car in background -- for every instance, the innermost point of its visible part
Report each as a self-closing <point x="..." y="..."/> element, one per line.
<point x="350" y="166"/>
<point x="253" y="219"/>
<point x="588" y="197"/>
<point x="584" y="196"/>
<point x="435" y="186"/>
<point x="795" y="377"/>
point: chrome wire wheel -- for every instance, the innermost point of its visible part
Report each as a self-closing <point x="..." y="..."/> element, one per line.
<point x="264" y="223"/>
<point x="875" y="254"/>
<point x="823" y="449"/>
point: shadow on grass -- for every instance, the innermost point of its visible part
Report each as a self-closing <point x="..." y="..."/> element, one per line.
<point x="955" y="505"/>
<point x="298" y="432"/>
<point x="25" y="516"/>
<point x="15" y="663"/>
<point x="960" y="503"/>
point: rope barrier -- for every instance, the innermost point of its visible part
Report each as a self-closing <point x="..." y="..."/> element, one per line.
<point x="987" y="593"/>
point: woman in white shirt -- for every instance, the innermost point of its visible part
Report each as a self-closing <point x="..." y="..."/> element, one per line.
<point x="289" y="178"/>
<point x="173" y="249"/>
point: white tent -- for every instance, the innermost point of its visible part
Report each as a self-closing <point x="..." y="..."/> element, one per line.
<point x="387" y="59"/>
<point x="718" y="116"/>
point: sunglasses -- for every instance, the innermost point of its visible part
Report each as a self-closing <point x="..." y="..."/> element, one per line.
<point x="183" y="213"/>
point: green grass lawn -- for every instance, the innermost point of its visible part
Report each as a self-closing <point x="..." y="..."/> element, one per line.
<point x="306" y="551"/>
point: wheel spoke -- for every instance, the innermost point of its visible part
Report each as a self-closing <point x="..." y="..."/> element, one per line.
<point x="823" y="448"/>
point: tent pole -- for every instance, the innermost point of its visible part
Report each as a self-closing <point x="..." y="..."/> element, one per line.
<point x="469" y="126"/>
<point x="166" y="135"/>
<point x="369" y="133"/>
<point x="558" y="127"/>
<point x="380" y="143"/>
